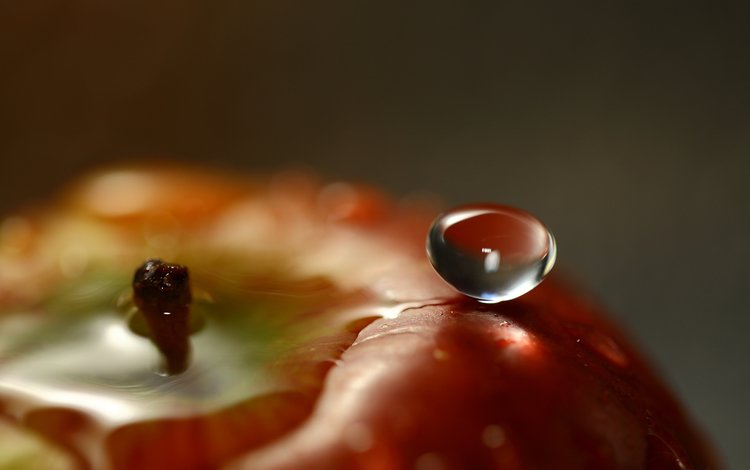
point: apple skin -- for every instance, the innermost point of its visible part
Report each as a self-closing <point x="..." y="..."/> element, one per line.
<point x="542" y="381"/>
<point x="539" y="382"/>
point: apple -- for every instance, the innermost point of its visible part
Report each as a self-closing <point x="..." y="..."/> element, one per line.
<point x="318" y="337"/>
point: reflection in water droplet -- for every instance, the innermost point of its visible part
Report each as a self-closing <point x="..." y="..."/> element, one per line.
<point x="490" y="252"/>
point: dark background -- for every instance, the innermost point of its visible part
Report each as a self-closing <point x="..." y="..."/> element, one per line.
<point x="625" y="127"/>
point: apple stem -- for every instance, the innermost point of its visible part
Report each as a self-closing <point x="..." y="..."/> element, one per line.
<point x="161" y="291"/>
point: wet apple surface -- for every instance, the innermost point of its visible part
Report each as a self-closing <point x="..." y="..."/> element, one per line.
<point x="319" y="337"/>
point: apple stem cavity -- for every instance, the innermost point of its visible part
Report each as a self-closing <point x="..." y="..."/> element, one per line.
<point x="161" y="291"/>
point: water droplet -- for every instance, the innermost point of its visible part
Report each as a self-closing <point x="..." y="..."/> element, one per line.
<point x="491" y="252"/>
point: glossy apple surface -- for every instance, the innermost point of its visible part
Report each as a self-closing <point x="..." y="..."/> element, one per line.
<point x="327" y="342"/>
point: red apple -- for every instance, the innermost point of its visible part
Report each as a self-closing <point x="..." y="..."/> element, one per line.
<point x="323" y="339"/>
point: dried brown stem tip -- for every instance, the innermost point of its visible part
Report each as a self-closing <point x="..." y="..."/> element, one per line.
<point x="161" y="291"/>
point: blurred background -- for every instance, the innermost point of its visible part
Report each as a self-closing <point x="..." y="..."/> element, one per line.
<point x="624" y="125"/>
